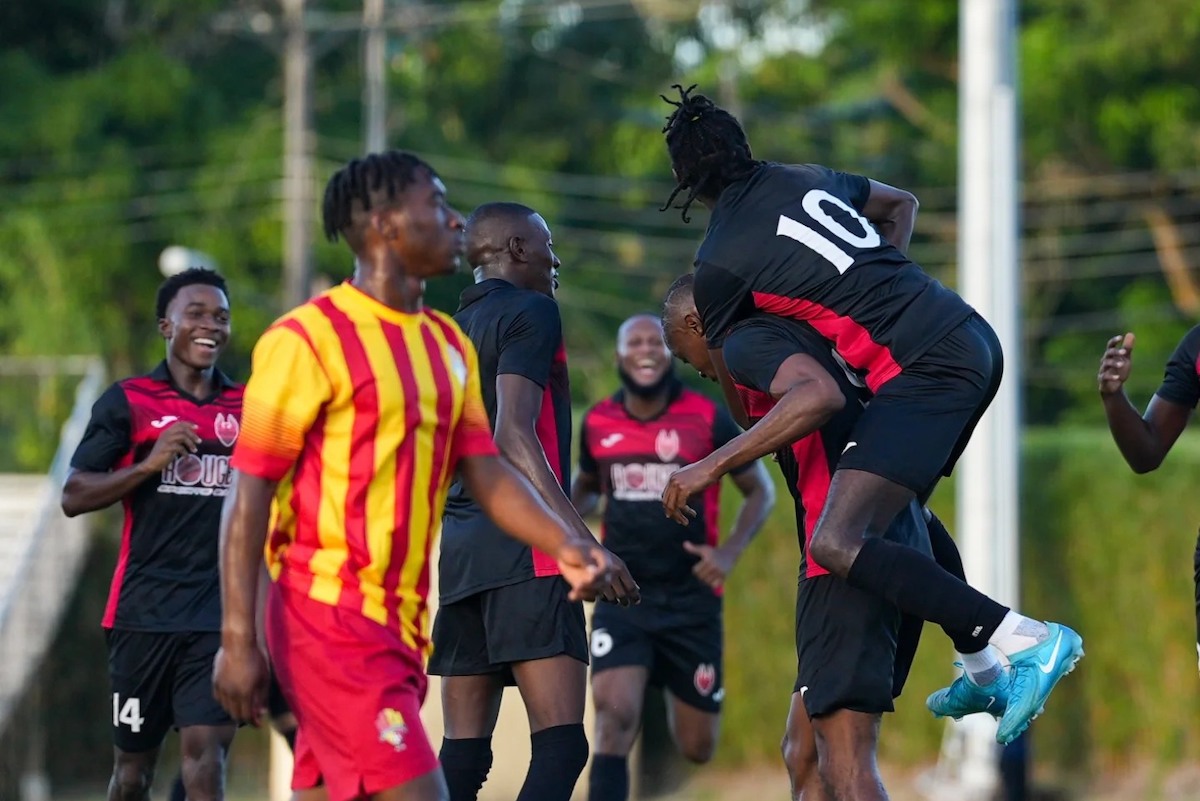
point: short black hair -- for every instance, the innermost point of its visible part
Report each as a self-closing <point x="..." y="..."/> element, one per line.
<point x="168" y="289"/>
<point x="707" y="145"/>
<point x="373" y="180"/>
<point x="681" y="292"/>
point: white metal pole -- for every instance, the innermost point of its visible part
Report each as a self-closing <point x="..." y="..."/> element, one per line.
<point x="375" y="73"/>
<point x="988" y="475"/>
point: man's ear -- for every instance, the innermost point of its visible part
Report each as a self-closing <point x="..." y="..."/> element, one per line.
<point x="517" y="249"/>
<point x="384" y="224"/>
<point x="165" y="327"/>
<point x="693" y="323"/>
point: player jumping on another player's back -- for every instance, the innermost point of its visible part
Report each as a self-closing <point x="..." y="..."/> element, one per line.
<point x="361" y="406"/>
<point x="629" y="445"/>
<point x="854" y="649"/>
<point x="808" y="243"/>
<point x="160" y="444"/>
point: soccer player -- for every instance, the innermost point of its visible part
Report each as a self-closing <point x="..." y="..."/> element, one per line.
<point x="808" y="243"/>
<point x="160" y="444"/>
<point x="854" y="649"/>
<point x="629" y="445"/>
<point x="1146" y="439"/>
<point x="361" y="406"/>
<point x="504" y="616"/>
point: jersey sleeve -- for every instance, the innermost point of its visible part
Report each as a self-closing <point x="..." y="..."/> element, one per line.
<point x="1181" y="382"/>
<point x="755" y="350"/>
<point x="473" y="432"/>
<point x="108" y="435"/>
<point x="587" y="459"/>
<point x="531" y="339"/>
<point x="855" y="188"/>
<point x="721" y="299"/>
<point x="288" y="388"/>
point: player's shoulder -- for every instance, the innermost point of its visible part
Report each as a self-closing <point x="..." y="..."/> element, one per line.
<point x="1191" y="340"/>
<point x="607" y="408"/>
<point x="543" y="307"/>
<point x="451" y="330"/>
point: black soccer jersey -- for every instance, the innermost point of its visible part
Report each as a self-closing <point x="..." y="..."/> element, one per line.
<point x="790" y="240"/>
<point x="755" y="349"/>
<point x="634" y="459"/>
<point x="166" y="575"/>
<point x="516" y="331"/>
<point x="1181" y="382"/>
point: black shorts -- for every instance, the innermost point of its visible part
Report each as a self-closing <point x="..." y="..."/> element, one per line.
<point x="277" y="705"/>
<point x="916" y="427"/>
<point x="161" y="680"/>
<point x="853" y="649"/>
<point x="681" y="649"/>
<point x="488" y="631"/>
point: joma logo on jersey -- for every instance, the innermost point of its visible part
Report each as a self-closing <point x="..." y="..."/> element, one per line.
<point x="641" y="482"/>
<point x="196" y="475"/>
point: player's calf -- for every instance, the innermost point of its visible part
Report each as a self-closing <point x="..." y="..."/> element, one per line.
<point x="132" y="776"/>
<point x="846" y="745"/>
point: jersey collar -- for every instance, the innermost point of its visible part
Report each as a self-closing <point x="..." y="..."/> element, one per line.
<point x="222" y="381"/>
<point x="674" y="390"/>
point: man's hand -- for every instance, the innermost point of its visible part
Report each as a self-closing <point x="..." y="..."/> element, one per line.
<point x="586" y="566"/>
<point x="240" y="677"/>
<point x="623" y="590"/>
<point x="714" y="565"/>
<point x="177" y="440"/>
<point x="1116" y="364"/>
<point x="684" y="483"/>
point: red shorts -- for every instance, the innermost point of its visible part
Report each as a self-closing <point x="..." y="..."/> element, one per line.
<point x="356" y="690"/>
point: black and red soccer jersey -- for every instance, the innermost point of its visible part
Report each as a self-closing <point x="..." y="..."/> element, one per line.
<point x="166" y="578"/>
<point x="519" y="332"/>
<point x="1181" y="382"/>
<point x="633" y="460"/>
<point x="755" y="349"/>
<point x="790" y="240"/>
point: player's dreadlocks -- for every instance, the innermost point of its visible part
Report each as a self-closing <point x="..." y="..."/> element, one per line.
<point x="366" y="183"/>
<point x="707" y="145"/>
<point x="193" y="275"/>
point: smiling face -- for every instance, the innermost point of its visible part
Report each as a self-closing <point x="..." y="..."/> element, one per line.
<point x="642" y="355"/>
<point x="197" y="325"/>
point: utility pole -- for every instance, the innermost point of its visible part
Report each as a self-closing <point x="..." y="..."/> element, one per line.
<point x="989" y="279"/>
<point x="297" y="155"/>
<point x="375" y="76"/>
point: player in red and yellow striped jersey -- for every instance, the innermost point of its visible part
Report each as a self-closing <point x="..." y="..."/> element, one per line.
<point x="361" y="406"/>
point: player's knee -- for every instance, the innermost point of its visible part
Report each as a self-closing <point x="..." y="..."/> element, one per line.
<point x="699" y="746"/>
<point x="202" y="775"/>
<point x="132" y="779"/>
<point x="616" y="727"/>
<point x="800" y="759"/>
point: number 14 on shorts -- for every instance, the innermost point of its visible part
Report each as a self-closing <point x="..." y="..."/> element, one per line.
<point x="127" y="714"/>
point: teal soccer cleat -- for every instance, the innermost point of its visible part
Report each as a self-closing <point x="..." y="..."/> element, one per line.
<point x="964" y="697"/>
<point x="1035" y="672"/>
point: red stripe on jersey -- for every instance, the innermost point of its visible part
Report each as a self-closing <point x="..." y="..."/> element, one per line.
<point x="114" y="590"/>
<point x="306" y="508"/>
<point x="441" y="452"/>
<point x="546" y="428"/>
<point x="362" y="438"/>
<point x="405" y="462"/>
<point x="849" y="339"/>
<point x="814" y="489"/>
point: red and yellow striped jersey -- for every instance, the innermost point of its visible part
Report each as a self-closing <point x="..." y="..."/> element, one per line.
<point x="361" y="412"/>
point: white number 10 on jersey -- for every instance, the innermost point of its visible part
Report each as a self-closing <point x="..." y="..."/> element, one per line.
<point x="821" y="244"/>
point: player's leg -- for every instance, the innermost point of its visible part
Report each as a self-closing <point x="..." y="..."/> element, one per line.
<point x="846" y="745"/>
<point x="799" y="748"/>
<point x="205" y="728"/>
<point x="140" y="668"/>
<point x="535" y="629"/>
<point x="622" y="657"/>
<point x="282" y="719"/>
<point x="688" y="655"/>
<point x="472" y="689"/>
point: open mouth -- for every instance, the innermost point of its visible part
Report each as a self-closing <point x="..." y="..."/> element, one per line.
<point x="554" y="278"/>
<point x="646" y="370"/>
<point x="205" y="343"/>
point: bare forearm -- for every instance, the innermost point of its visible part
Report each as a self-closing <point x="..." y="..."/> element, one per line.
<point x="244" y="523"/>
<point x="898" y="228"/>
<point x="795" y="416"/>
<point x="1134" y="437"/>
<point x="511" y="502"/>
<point x="524" y="452"/>
<point x="87" y="492"/>
<point x="750" y="518"/>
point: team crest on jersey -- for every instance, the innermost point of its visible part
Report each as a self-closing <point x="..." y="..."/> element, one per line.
<point x="226" y="428"/>
<point x="666" y="444"/>
<point x="391" y="728"/>
<point x="705" y="679"/>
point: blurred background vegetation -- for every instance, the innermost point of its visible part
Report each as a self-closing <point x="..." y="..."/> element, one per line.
<point x="126" y="127"/>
